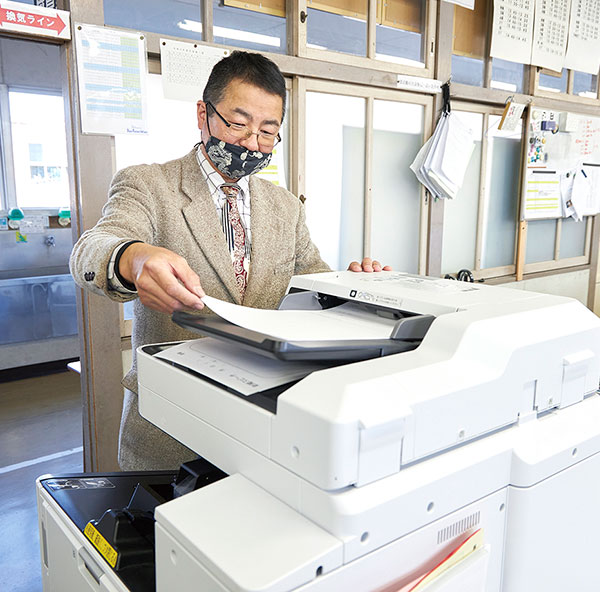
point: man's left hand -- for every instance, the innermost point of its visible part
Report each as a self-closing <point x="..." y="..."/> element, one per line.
<point x="369" y="265"/>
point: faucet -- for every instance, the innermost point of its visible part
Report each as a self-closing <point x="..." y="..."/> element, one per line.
<point x="50" y="241"/>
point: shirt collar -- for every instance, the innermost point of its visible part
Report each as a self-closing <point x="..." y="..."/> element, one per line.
<point x="214" y="179"/>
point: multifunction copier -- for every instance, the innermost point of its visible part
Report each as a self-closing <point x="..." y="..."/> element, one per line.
<point x="378" y="432"/>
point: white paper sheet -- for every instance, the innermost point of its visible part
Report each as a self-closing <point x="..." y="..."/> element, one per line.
<point x="185" y="68"/>
<point x="342" y="323"/>
<point x="457" y="153"/>
<point x="512" y="30"/>
<point x="542" y="198"/>
<point x="111" y="68"/>
<point x="550" y="32"/>
<point x="235" y="367"/>
<point x="470" y="4"/>
<point x="585" y="195"/>
<point x="583" y="48"/>
<point x="566" y="190"/>
<point x="441" y="163"/>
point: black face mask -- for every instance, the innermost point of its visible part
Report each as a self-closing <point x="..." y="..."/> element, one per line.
<point x="235" y="161"/>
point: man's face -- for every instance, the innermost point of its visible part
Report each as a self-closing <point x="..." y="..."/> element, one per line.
<point x="243" y="104"/>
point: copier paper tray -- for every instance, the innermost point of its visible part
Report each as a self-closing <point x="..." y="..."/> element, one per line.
<point x="405" y="335"/>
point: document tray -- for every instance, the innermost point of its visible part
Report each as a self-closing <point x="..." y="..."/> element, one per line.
<point x="292" y="351"/>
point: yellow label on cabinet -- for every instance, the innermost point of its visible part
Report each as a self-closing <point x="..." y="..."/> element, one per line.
<point x="103" y="546"/>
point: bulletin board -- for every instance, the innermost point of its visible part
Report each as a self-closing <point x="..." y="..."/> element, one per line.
<point x="562" y="165"/>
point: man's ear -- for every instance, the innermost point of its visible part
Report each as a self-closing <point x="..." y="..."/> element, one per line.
<point x="201" y="113"/>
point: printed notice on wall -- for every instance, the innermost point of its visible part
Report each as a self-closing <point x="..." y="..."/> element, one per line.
<point x="583" y="51"/>
<point x="111" y="66"/>
<point x="542" y="199"/>
<point x="512" y="30"/>
<point x="185" y="68"/>
<point x="550" y="33"/>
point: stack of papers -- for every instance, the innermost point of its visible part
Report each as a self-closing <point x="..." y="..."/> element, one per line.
<point x="441" y="163"/>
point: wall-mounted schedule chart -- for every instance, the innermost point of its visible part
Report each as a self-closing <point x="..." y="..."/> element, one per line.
<point x="550" y="31"/>
<point x="512" y="30"/>
<point x="583" y="50"/>
<point x="111" y="67"/>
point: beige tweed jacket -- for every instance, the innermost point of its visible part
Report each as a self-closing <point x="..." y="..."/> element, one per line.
<point x="169" y="205"/>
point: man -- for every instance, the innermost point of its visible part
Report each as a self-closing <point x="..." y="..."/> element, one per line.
<point x="202" y="224"/>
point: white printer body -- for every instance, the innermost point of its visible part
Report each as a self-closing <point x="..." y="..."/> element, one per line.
<point x="366" y="475"/>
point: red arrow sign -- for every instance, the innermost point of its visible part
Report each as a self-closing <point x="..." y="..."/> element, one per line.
<point x="30" y="19"/>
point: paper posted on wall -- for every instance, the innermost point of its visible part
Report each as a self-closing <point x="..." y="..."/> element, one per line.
<point x="441" y="163"/>
<point x="580" y="191"/>
<point x="111" y="70"/>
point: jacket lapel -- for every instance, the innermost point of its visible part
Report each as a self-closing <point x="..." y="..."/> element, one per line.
<point x="202" y="219"/>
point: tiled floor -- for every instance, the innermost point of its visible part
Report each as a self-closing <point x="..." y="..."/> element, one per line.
<point x="40" y="433"/>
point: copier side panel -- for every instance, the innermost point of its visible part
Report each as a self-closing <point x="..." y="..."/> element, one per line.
<point x="222" y="450"/>
<point x="69" y="561"/>
<point x="552" y="532"/>
<point x="247" y="423"/>
<point x="226" y="558"/>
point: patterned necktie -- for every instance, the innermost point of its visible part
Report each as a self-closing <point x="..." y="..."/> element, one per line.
<point x="231" y="191"/>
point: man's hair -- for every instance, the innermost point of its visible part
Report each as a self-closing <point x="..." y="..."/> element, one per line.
<point x="252" y="68"/>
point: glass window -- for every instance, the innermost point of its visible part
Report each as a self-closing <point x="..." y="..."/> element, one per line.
<point x="179" y="18"/>
<point x="39" y="149"/>
<point x="470" y="52"/>
<point x="541" y="236"/>
<point x="335" y="154"/>
<point x="469" y="44"/>
<point x="572" y="238"/>
<point x="399" y="32"/>
<point x="585" y="85"/>
<point x="553" y="83"/>
<point x="337" y="25"/>
<point x="501" y="195"/>
<point x="467" y="70"/>
<point x="259" y="26"/>
<point x="396" y="203"/>
<point x="507" y="75"/>
<point x="461" y="213"/>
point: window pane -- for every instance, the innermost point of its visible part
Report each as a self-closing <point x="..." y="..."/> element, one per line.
<point x="258" y="29"/>
<point x="469" y="43"/>
<point x="180" y="18"/>
<point x="585" y="85"/>
<point x="400" y="33"/>
<point x="396" y="203"/>
<point x="460" y="213"/>
<point x="507" y="75"/>
<point x="467" y="70"/>
<point x="501" y="195"/>
<point x="338" y="26"/>
<point x="335" y="151"/>
<point x="39" y="149"/>
<point x="572" y="238"/>
<point x="541" y="235"/>
<point x="553" y="83"/>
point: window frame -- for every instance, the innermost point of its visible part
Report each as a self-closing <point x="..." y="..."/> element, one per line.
<point x="369" y="61"/>
<point x="370" y="94"/>
<point x="7" y="176"/>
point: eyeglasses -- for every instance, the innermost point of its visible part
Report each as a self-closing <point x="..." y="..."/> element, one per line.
<point x="242" y="131"/>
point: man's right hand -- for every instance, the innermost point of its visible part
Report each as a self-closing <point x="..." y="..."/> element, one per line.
<point x="164" y="280"/>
